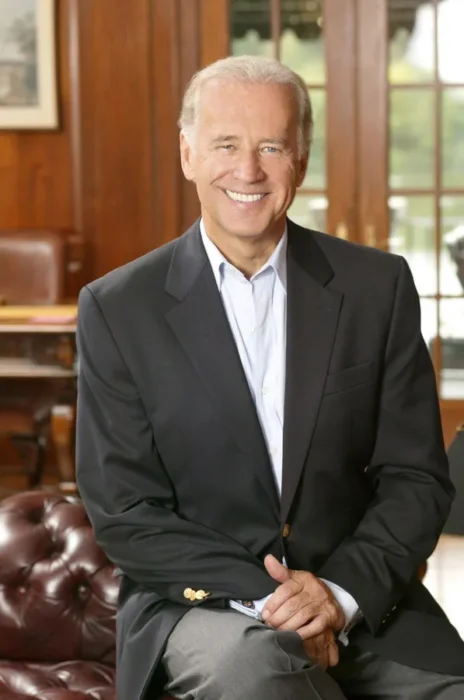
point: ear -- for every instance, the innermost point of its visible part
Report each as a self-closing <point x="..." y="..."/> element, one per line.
<point x="186" y="157"/>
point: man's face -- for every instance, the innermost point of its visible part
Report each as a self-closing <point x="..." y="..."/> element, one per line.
<point x="243" y="157"/>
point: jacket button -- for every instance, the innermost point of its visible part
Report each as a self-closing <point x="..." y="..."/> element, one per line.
<point x="286" y="530"/>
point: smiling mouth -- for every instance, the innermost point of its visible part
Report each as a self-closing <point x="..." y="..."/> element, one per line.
<point x="246" y="198"/>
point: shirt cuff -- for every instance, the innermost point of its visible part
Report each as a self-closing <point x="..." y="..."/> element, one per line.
<point x="350" y="608"/>
<point x="252" y="608"/>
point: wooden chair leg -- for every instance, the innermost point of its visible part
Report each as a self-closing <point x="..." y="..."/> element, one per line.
<point x="38" y="472"/>
<point x="62" y="435"/>
<point x="31" y="455"/>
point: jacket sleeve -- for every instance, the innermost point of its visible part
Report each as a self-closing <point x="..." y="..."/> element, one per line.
<point x="409" y="468"/>
<point x="127" y="492"/>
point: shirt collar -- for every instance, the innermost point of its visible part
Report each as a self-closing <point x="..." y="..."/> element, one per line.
<point x="278" y="259"/>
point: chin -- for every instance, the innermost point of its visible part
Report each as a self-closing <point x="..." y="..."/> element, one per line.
<point x="246" y="232"/>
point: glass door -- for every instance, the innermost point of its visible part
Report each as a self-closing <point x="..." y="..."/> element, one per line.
<point x="412" y="165"/>
<point x="316" y="38"/>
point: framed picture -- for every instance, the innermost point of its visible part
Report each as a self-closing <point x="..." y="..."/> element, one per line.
<point x="28" y="79"/>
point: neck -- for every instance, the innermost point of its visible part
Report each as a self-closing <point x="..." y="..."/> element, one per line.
<point x="247" y="254"/>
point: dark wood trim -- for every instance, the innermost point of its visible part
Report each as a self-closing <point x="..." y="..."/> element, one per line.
<point x="426" y="192"/>
<point x="321" y="192"/>
<point x="437" y="347"/>
<point x="83" y="129"/>
<point x="373" y="93"/>
<point x="426" y="86"/>
<point x="78" y="264"/>
<point x="190" y="56"/>
<point x="452" y="415"/>
<point x="165" y="29"/>
<point x="215" y="39"/>
<point x="341" y="148"/>
<point x="75" y="109"/>
<point x="438" y="297"/>
<point x="276" y="26"/>
<point x="316" y="86"/>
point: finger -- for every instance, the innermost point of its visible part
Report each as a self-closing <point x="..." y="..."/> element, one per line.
<point x="318" y="656"/>
<point x="292" y="616"/>
<point x="275" y="569"/>
<point x="281" y="595"/>
<point x="317" y="626"/>
<point x="334" y="654"/>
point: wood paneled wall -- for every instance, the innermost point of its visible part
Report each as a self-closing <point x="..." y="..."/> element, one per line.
<point x="110" y="177"/>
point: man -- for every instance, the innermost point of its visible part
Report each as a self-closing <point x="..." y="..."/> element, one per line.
<point x="259" y="442"/>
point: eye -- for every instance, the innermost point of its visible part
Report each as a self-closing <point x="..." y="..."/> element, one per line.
<point x="226" y="147"/>
<point x="271" y="149"/>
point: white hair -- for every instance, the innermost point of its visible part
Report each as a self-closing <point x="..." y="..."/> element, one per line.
<point x="252" y="70"/>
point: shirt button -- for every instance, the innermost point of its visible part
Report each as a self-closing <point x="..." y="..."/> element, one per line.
<point x="264" y="390"/>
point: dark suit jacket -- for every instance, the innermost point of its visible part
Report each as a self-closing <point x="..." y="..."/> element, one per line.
<point x="173" y="468"/>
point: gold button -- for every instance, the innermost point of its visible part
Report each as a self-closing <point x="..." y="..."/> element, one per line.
<point x="201" y="595"/>
<point x="187" y="593"/>
<point x="286" y="530"/>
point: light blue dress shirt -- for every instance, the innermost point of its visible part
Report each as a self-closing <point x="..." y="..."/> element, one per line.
<point x="256" y="309"/>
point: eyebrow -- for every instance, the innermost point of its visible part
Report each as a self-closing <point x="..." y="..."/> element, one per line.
<point x="221" y="139"/>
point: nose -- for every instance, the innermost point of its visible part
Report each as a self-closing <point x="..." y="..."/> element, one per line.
<point x="248" y="168"/>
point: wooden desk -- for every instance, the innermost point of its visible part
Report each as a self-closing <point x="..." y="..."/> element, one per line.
<point x="38" y="365"/>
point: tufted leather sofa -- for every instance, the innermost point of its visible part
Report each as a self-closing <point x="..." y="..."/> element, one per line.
<point x="58" y="600"/>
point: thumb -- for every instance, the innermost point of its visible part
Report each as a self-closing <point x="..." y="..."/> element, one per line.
<point x="275" y="569"/>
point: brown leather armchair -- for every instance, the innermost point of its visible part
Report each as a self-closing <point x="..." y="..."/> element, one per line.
<point x="32" y="272"/>
<point x="58" y="596"/>
<point x="32" y="267"/>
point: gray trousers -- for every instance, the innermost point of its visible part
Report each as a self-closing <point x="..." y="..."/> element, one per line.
<point x="225" y="655"/>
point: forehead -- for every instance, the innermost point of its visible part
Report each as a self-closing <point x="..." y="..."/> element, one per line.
<point x="235" y="107"/>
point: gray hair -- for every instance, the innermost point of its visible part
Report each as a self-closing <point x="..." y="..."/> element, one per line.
<point x="253" y="70"/>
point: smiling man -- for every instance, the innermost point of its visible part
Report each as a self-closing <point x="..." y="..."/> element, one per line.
<point x="258" y="442"/>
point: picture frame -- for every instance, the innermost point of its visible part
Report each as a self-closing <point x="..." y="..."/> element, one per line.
<point x="28" y="65"/>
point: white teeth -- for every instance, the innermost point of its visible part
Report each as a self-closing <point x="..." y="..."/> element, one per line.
<point x="237" y="197"/>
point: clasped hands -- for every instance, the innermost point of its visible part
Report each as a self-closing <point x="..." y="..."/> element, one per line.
<point x="305" y="604"/>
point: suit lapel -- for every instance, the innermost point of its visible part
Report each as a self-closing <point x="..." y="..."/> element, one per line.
<point x="312" y="318"/>
<point x="201" y="326"/>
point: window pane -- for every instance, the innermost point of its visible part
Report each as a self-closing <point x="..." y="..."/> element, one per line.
<point x="412" y="34"/>
<point x="452" y="252"/>
<point x="412" y="234"/>
<point x="302" y="42"/>
<point x="452" y="348"/>
<point x="453" y="138"/>
<point x="412" y="138"/>
<point x="310" y="212"/>
<point x="450" y="44"/>
<point x="316" y="175"/>
<point x="250" y="28"/>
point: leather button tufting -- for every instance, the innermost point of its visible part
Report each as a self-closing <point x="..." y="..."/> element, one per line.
<point x="83" y="591"/>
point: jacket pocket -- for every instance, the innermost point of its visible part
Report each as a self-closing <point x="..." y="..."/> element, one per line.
<point x="349" y="378"/>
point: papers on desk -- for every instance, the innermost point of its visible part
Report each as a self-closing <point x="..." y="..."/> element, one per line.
<point x="19" y="367"/>
<point x="61" y="314"/>
<point x="38" y="319"/>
